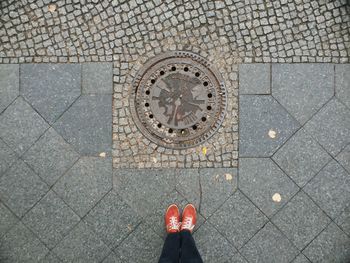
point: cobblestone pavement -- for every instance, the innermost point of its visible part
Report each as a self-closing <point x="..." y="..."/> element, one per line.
<point x="274" y="188"/>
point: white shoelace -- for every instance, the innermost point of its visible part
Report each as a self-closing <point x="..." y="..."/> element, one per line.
<point x="173" y="224"/>
<point x="188" y="224"/>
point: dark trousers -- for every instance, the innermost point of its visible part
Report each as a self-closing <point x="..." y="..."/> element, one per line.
<point x="180" y="247"/>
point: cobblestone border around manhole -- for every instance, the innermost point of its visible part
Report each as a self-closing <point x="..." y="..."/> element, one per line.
<point x="132" y="150"/>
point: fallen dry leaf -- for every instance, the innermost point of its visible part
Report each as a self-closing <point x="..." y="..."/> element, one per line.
<point x="228" y="177"/>
<point x="52" y="8"/>
<point x="272" y="134"/>
<point x="154" y="159"/>
<point x="277" y="198"/>
<point x="204" y="150"/>
<point x="103" y="154"/>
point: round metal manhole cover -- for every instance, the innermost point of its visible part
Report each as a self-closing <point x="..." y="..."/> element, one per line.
<point x="178" y="100"/>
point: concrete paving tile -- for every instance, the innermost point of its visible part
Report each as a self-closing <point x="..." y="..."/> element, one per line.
<point x="21" y="126"/>
<point x="301" y="220"/>
<point x="269" y="245"/>
<point x="344" y="158"/>
<point x="112" y="258"/>
<point x="238" y="219"/>
<point x="331" y="126"/>
<point x="9" y="84"/>
<point x="112" y="219"/>
<point x="50" y="157"/>
<point x="301" y="259"/>
<point x="254" y="79"/>
<point x="332" y="245"/>
<point x="141" y="246"/>
<point x="7" y="157"/>
<point x="85" y="183"/>
<point x="50" y="258"/>
<point x="212" y="246"/>
<point x="302" y="88"/>
<point x="343" y="220"/>
<point x="301" y="157"/>
<point x="7" y="219"/>
<point x="50" y="88"/>
<point x="20" y="245"/>
<point x="97" y="78"/>
<point x="187" y="183"/>
<point x="216" y="186"/>
<point x="330" y="189"/>
<point x="87" y="125"/>
<point x="51" y="219"/>
<point x="261" y="179"/>
<point x="81" y="245"/>
<point x="21" y="188"/>
<point x="264" y="126"/>
<point x="342" y="83"/>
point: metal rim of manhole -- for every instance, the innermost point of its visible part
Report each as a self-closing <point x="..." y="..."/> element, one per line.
<point x="178" y="100"/>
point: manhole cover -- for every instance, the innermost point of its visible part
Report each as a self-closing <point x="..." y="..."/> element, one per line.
<point x="178" y="100"/>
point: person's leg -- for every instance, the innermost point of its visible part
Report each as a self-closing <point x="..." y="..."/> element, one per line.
<point x="171" y="249"/>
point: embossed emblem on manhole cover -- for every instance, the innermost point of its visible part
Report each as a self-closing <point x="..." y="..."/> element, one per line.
<point x="178" y="100"/>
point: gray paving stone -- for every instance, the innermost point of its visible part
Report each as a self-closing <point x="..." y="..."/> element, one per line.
<point x="330" y="189"/>
<point x="254" y="79"/>
<point x="269" y="245"/>
<point x="7" y="219"/>
<point x="187" y="183"/>
<point x="9" y="84"/>
<point x="332" y="245"/>
<point x="97" y="78"/>
<point x="301" y="157"/>
<point x="50" y="88"/>
<point x="302" y="88"/>
<point x="81" y="245"/>
<point x="112" y="258"/>
<point x="21" y="126"/>
<point x="216" y="187"/>
<point x="260" y="179"/>
<point x="301" y="259"/>
<point x="50" y="258"/>
<point x="242" y="217"/>
<point x="21" y="188"/>
<point x="331" y="126"/>
<point x="301" y="220"/>
<point x="112" y="219"/>
<point x="141" y="246"/>
<point x="51" y="219"/>
<point x="212" y="246"/>
<point x="87" y="125"/>
<point x="343" y="220"/>
<point x="344" y="158"/>
<point x="342" y="83"/>
<point x="85" y="183"/>
<point x="50" y="156"/>
<point x="7" y="157"/>
<point x="259" y="115"/>
<point x="20" y="245"/>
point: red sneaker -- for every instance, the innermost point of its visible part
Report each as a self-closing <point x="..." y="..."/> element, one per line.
<point x="172" y="219"/>
<point x="189" y="218"/>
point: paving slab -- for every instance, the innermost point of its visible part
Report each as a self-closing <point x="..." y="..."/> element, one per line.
<point x="261" y="179"/>
<point x="301" y="259"/>
<point x="51" y="219"/>
<point x="85" y="183"/>
<point x="50" y="258"/>
<point x="269" y="245"/>
<point x="21" y="126"/>
<point x="264" y="126"/>
<point x="7" y="219"/>
<point x="332" y="245"/>
<point x="87" y="125"/>
<point x="238" y="219"/>
<point x="112" y="219"/>
<point x="187" y="184"/>
<point x="81" y="245"/>
<point x="145" y="242"/>
<point x="112" y="258"/>
<point x="302" y="88"/>
<point x="21" y="245"/>
<point x="50" y="88"/>
<point x="7" y="157"/>
<point x="344" y="158"/>
<point x="255" y="79"/>
<point x="342" y="83"/>
<point x="97" y="78"/>
<point x="21" y="188"/>
<point x="331" y="126"/>
<point x="301" y="220"/>
<point x="9" y="84"/>
<point x="51" y="156"/>
<point x="301" y="157"/>
<point x="212" y="246"/>
<point x="343" y="220"/>
<point x="330" y="189"/>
